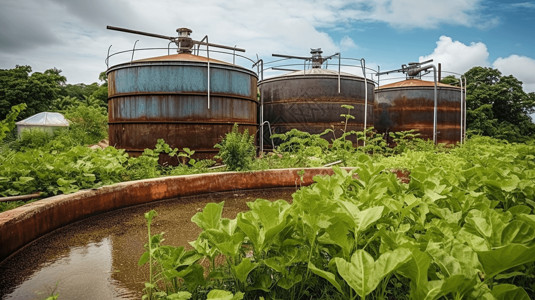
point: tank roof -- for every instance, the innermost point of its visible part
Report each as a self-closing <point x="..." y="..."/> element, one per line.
<point x="183" y="57"/>
<point x="317" y="71"/>
<point x="414" y="83"/>
<point x="45" y="119"/>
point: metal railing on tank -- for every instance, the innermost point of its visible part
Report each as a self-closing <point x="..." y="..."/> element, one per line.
<point x="286" y="63"/>
<point x="184" y="44"/>
<point x="418" y="70"/>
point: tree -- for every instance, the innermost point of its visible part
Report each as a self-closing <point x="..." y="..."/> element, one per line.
<point x="451" y="80"/>
<point x="37" y="90"/>
<point x="498" y="106"/>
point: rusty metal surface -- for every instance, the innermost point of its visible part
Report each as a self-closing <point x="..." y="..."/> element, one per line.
<point x="24" y="224"/>
<point x="166" y="98"/>
<point x="182" y="57"/>
<point x="409" y="105"/>
<point x="310" y="102"/>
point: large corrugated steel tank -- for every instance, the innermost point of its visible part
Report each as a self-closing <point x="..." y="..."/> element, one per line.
<point x="167" y="98"/>
<point x="409" y="104"/>
<point x="309" y="101"/>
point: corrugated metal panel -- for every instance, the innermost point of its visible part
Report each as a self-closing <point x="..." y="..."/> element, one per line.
<point x="167" y="99"/>
<point x="180" y="78"/>
<point x="309" y="101"/>
<point x="405" y="105"/>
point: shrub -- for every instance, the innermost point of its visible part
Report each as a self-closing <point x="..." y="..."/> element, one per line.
<point x="237" y="150"/>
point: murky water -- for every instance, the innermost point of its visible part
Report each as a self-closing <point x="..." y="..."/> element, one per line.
<point x="97" y="258"/>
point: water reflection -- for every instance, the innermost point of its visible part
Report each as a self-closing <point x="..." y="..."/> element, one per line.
<point x="70" y="274"/>
<point x="97" y="257"/>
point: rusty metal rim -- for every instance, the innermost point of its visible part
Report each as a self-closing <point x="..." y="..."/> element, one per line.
<point x="212" y="94"/>
<point x="415" y="87"/>
<point x="319" y="101"/>
<point x="181" y="64"/>
<point x="312" y="76"/>
<point x="26" y="223"/>
<point x="181" y="122"/>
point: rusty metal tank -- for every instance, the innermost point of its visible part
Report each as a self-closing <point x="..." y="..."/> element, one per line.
<point x="409" y="104"/>
<point x="309" y="101"/>
<point x="167" y="98"/>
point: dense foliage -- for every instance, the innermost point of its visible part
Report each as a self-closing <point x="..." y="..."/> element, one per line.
<point x="462" y="228"/>
<point x="37" y="90"/>
<point x="497" y="105"/>
<point x="237" y="150"/>
<point x="45" y="91"/>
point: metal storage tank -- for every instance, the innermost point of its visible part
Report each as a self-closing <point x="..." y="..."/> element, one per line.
<point x="171" y="97"/>
<point x="310" y="101"/>
<point x="409" y="104"/>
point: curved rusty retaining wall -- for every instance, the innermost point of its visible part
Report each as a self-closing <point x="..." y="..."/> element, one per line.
<point x="24" y="224"/>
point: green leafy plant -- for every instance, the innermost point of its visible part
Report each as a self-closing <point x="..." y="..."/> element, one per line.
<point x="8" y="124"/>
<point x="347" y="116"/>
<point x="461" y="228"/>
<point x="237" y="150"/>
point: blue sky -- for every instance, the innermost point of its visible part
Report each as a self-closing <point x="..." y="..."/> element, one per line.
<point x="70" y="34"/>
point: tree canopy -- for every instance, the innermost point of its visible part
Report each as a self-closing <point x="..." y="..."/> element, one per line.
<point x="46" y="91"/>
<point x="37" y="90"/>
<point x="497" y="105"/>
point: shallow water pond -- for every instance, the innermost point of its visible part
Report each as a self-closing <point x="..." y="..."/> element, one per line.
<point x="96" y="258"/>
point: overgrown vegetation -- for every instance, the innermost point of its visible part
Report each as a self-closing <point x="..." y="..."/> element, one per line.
<point x="237" y="150"/>
<point x="462" y="228"/>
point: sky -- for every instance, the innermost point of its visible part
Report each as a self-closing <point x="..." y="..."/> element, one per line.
<point x="71" y="35"/>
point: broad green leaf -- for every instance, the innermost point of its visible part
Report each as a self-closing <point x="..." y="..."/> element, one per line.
<point x="365" y="218"/>
<point x="338" y="234"/>
<point x="520" y="209"/>
<point x="210" y="216"/>
<point x="290" y="279"/>
<point x="179" y="296"/>
<point x="530" y="219"/>
<point x="243" y="269"/>
<point x="509" y="291"/>
<point x="363" y="274"/>
<point x="143" y="259"/>
<point x="325" y="275"/>
<point x="498" y="260"/>
<point x="518" y="232"/>
<point x="247" y="224"/>
<point x="223" y="295"/>
<point x="416" y="270"/>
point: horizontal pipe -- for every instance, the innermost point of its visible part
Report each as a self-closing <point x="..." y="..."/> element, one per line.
<point x="21" y="197"/>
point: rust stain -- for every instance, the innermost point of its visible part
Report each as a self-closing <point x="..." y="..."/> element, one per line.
<point x="23" y="224"/>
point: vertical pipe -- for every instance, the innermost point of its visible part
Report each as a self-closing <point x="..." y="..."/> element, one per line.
<point x="261" y="107"/>
<point x="461" y="81"/>
<point x="339" y="64"/>
<point x="108" y="57"/>
<point x="465" y="86"/>
<point x="435" y="108"/>
<point x="208" y="56"/>
<point x="133" y="50"/>
<point x="363" y="66"/>
<point x="378" y="76"/>
<point x="234" y="55"/>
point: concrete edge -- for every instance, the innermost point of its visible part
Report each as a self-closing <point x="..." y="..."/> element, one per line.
<point x="26" y="223"/>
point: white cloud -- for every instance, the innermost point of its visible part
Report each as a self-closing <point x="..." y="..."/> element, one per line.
<point x="71" y="35"/>
<point x="421" y="13"/>
<point x="458" y="57"/>
<point x="521" y="67"/>
<point x="347" y="43"/>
